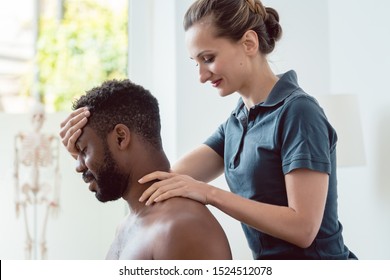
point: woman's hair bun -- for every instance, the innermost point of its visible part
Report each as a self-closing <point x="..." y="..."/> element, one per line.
<point x="274" y="29"/>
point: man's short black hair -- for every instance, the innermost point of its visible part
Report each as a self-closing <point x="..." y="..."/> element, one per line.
<point x="122" y="101"/>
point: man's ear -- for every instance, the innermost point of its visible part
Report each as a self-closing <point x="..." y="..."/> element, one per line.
<point x="122" y="136"/>
<point x="250" y="41"/>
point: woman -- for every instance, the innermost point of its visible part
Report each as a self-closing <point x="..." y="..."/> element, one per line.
<point x="277" y="149"/>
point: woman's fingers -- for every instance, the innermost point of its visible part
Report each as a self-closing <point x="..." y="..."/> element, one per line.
<point x="172" y="185"/>
<point x="156" y="175"/>
<point x="161" y="192"/>
<point x="157" y="188"/>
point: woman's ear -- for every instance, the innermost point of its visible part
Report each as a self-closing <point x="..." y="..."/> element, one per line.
<point x="122" y="136"/>
<point x="250" y="41"/>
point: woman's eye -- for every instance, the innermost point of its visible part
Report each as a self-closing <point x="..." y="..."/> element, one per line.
<point x="206" y="60"/>
<point x="209" y="60"/>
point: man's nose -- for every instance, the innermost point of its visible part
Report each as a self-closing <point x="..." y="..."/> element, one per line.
<point x="80" y="167"/>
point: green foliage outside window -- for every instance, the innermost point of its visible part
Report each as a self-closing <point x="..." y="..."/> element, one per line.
<point x="78" y="52"/>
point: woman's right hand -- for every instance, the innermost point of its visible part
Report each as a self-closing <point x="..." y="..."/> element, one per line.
<point x="71" y="129"/>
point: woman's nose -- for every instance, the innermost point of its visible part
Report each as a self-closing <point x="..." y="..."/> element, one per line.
<point x="204" y="74"/>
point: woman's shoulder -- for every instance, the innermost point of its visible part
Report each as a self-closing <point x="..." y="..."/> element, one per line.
<point x="299" y="101"/>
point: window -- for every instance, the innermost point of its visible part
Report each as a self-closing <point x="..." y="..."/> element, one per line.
<point x="79" y="44"/>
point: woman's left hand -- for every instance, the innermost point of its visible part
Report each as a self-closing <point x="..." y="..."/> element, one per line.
<point x="170" y="185"/>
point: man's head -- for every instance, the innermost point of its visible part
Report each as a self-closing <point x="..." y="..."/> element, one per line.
<point x="120" y="112"/>
<point x="123" y="102"/>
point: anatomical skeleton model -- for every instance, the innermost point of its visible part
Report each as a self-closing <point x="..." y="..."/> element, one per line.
<point x="36" y="196"/>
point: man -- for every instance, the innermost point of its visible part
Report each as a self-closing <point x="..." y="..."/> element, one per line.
<point x="120" y="144"/>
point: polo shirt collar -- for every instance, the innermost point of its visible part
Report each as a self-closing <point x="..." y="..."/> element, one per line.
<point x="283" y="88"/>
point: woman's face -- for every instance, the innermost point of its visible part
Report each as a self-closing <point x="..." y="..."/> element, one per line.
<point x="221" y="62"/>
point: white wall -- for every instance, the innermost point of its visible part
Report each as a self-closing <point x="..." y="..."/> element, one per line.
<point x="304" y="46"/>
<point x="360" y="63"/>
<point x="152" y="59"/>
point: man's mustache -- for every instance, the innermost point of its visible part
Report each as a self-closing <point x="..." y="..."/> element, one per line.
<point x="88" y="177"/>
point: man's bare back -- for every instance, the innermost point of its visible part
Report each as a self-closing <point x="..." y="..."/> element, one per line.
<point x="178" y="228"/>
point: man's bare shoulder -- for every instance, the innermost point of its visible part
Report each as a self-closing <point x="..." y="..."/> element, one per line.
<point x="188" y="208"/>
<point x="174" y="229"/>
<point x="190" y="231"/>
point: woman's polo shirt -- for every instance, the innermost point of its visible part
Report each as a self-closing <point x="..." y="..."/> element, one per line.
<point x="287" y="131"/>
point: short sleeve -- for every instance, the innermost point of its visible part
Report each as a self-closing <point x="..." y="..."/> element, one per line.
<point x="306" y="137"/>
<point x="217" y="141"/>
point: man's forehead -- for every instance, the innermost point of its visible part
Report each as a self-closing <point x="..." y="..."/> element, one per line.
<point x="86" y="134"/>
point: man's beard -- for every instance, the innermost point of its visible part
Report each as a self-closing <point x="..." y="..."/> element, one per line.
<point x="110" y="181"/>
